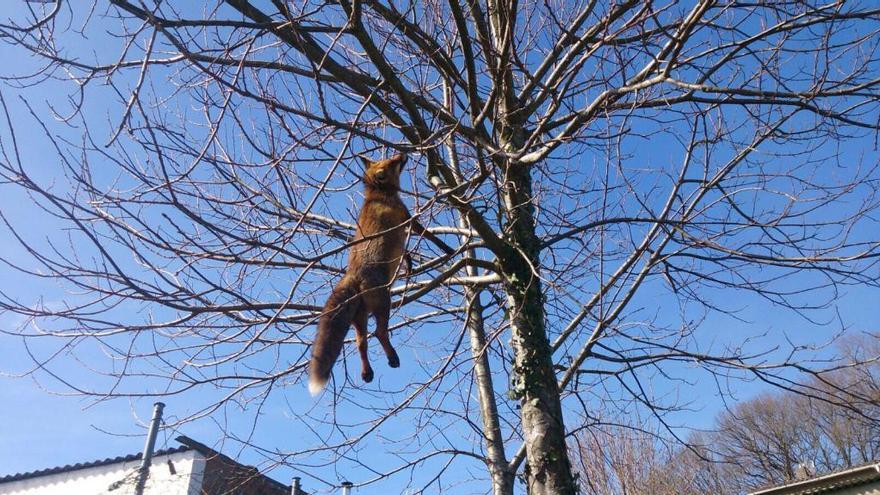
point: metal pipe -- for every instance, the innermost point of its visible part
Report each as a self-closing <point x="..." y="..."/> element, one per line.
<point x="294" y="488"/>
<point x="346" y="487"/>
<point x="147" y="457"/>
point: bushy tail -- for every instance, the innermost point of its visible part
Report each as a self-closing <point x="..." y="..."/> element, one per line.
<point x="335" y="321"/>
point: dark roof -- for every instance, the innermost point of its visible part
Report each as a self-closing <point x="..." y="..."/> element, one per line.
<point x="837" y="480"/>
<point x="187" y="444"/>
<point x="86" y="465"/>
<point x="211" y="453"/>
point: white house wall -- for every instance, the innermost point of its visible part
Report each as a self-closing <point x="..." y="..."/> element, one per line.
<point x="118" y="479"/>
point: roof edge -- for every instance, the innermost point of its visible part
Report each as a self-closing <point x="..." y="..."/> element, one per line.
<point x="9" y="478"/>
<point x="187" y="444"/>
<point x="212" y="453"/>
<point x="856" y="474"/>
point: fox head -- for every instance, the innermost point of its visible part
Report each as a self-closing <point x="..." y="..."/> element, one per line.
<point x="384" y="174"/>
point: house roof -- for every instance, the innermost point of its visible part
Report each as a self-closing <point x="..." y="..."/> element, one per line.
<point x="855" y="476"/>
<point x="90" y="464"/>
<point x="211" y="453"/>
<point x="187" y="444"/>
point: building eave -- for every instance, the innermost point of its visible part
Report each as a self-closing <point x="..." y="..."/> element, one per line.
<point x="858" y="475"/>
<point x="86" y="465"/>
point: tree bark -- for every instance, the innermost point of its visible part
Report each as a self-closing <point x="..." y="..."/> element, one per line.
<point x="496" y="459"/>
<point x="548" y="470"/>
<point x="502" y="476"/>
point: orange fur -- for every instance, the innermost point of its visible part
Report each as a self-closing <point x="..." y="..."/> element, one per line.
<point x="364" y="290"/>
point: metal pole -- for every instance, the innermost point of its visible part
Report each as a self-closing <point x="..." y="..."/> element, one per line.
<point x="147" y="458"/>
<point x="294" y="488"/>
<point x="346" y="487"/>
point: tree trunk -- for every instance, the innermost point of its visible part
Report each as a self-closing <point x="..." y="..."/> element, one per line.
<point x="548" y="470"/>
<point x="496" y="459"/>
<point x="502" y="476"/>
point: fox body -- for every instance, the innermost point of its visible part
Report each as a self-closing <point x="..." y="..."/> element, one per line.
<point x="374" y="259"/>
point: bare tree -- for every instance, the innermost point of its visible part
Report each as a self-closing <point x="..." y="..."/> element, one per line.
<point x="771" y="439"/>
<point x="598" y="164"/>
<point x="620" y="460"/>
<point x="778" y="438"/>
<point x="626" y="459"/>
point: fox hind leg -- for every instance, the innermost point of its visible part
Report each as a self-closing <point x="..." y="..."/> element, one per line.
<point x="381" y="309"/>
<point x="361" y="334"/>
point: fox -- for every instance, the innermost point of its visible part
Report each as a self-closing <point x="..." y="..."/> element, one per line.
<point x="376" y="254"/>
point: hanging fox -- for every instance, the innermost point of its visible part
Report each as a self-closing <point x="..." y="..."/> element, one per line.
<point x="374" y="258"/>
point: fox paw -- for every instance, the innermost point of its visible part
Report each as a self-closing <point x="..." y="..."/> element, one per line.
<point x="394" y="361"/>
<point x="367" y="375"/>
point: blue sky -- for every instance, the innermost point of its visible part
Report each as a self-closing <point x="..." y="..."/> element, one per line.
<point x="43" y="425"/>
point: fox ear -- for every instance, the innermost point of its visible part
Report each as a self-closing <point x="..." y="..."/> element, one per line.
<point x="366" y="161"/>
